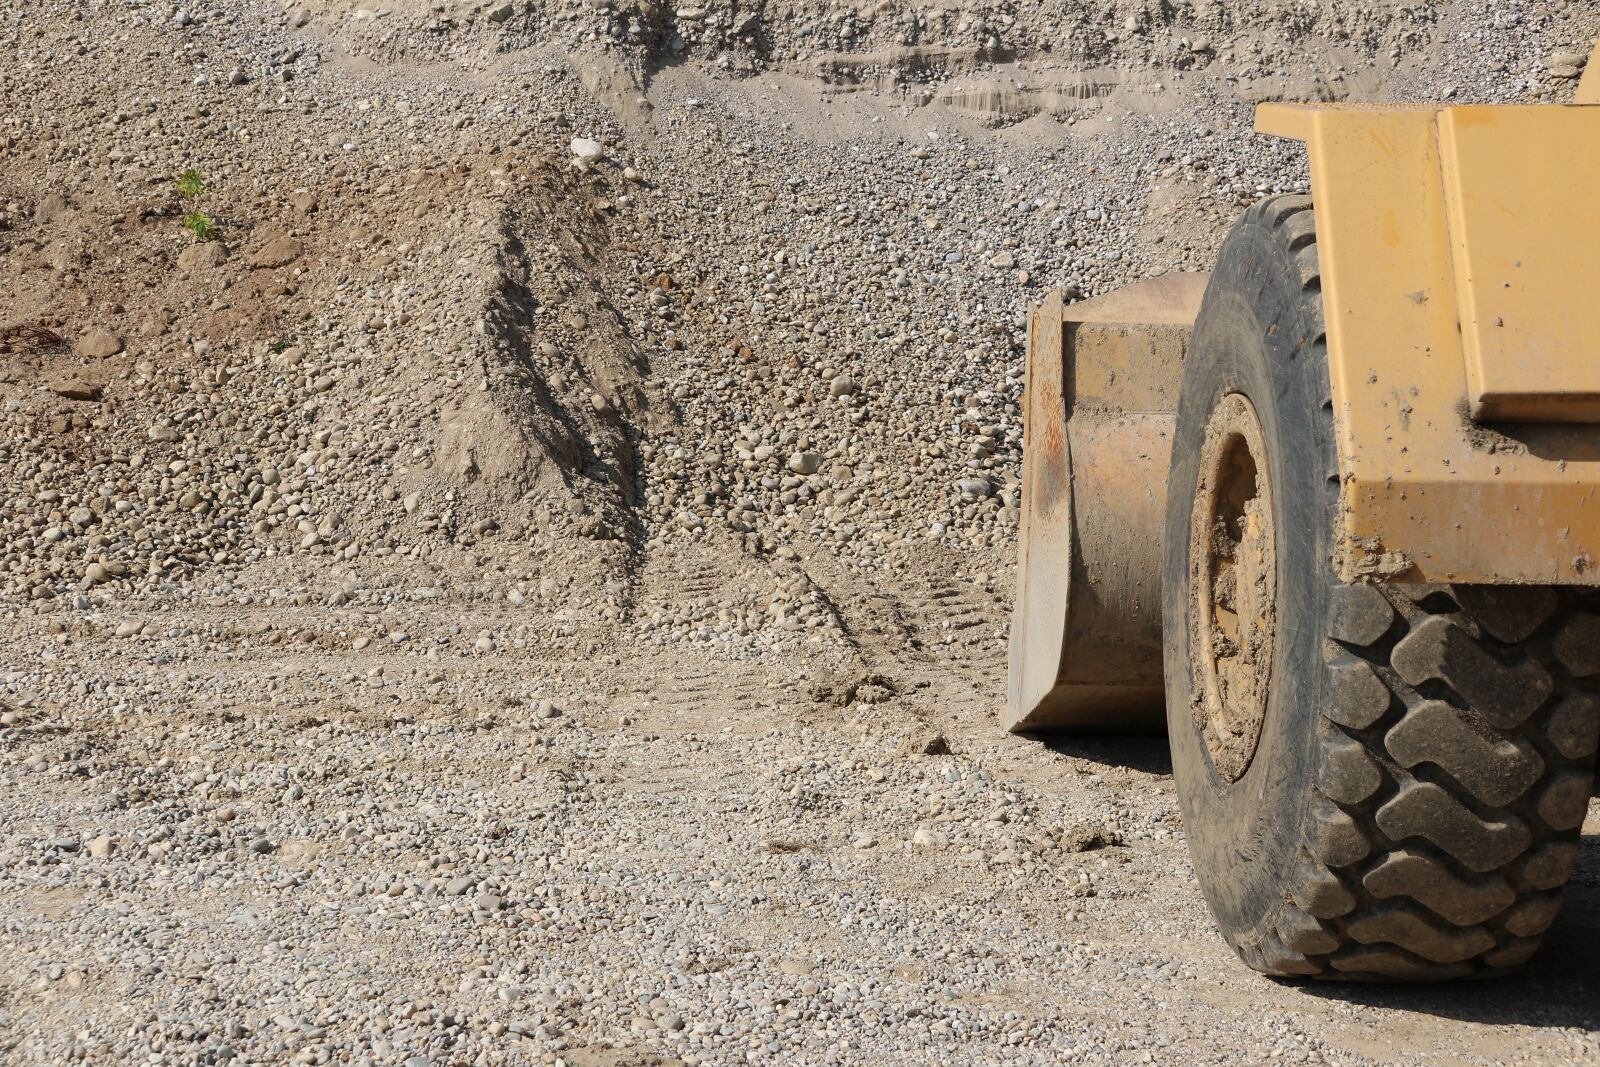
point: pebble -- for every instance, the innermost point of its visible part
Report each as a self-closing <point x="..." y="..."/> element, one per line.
<point x="805" y="463"/>
<point x="978" y="487"/>
<point x="586" y="150"/>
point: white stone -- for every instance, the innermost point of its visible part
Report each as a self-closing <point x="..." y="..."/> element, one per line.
<point x="587" y="150"/>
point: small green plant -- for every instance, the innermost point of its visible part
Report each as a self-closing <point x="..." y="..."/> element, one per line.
<point x="201" y="225"/>
<point x="191" y="183"/>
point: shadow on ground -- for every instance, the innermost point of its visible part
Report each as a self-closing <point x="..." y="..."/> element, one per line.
<point x="1149" y="755"/>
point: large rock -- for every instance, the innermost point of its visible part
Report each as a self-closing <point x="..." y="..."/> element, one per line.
<point x="203" y="256"/>
<point x="279" y="251"/>
<point x="99" y="343"/>
<point x="72" y="388"/>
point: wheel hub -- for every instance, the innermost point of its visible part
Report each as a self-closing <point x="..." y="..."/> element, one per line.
<point x="1233" y="598"/>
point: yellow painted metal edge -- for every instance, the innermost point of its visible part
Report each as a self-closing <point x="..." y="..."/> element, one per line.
<point x="1291" y="121"/>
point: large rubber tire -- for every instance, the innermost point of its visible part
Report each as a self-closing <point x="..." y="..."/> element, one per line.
<point x="1426" y="753"/>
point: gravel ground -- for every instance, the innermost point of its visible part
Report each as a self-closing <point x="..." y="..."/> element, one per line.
<point x="531" y="583"/>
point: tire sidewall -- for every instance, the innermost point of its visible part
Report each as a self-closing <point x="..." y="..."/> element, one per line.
<point x="1255" y="336"/>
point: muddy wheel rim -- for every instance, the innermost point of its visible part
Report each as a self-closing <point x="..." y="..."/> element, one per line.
<point x="1233" y="587"/>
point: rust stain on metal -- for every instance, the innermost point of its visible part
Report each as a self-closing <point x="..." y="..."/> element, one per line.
<point x="1102" y="390"/>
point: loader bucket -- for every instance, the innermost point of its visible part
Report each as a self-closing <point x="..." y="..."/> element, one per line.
<point x="1100" y="402"/>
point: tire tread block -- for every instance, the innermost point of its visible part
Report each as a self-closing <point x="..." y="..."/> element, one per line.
<point x="1347" y="775"/>
<point x="1382" y="961"/>
<point x="1565" y="800"/>
<point x="1318" y="891"/>
<point x="1550" y="865"/>
<point x="1439" y="649"/>
<point x="1426" y="810"/>
<point x="1512" y="953"/>
<point x="1399" y="925"/>
<point x="1305" y="935"/>
<point x="1358" y="614"/>
<point x="1495" y="770"/>
<point x="1533" y="916"/>
<point x="1281" y="959"/>
<point x="1422" y="592"/>
<point x="1509" y="613"/>
<point x="1428" y="880"/>
<point x="1337" y="839"/>
<point x="1357" y="697"/>
<point x="1574" y="727"/>
<point x="1298" y="226"/>
<point x="1577" y="645"/>
<point x="1280" y="208"/>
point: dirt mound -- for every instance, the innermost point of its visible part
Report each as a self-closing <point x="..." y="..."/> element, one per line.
<point x="349" y="370"/>
<point x="556" y="427"/>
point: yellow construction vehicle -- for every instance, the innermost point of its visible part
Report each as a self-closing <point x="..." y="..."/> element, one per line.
<point x="1335" y="509"/>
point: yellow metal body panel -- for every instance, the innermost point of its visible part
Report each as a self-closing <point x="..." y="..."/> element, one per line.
<point x="1526" y="259"/>
<point x="1429" y="494"/>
